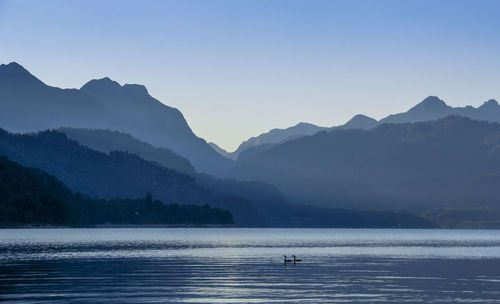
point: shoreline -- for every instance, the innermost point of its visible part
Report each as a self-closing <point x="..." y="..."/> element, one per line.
<point x="100" y="226"/>
<point x="125" y="226"/>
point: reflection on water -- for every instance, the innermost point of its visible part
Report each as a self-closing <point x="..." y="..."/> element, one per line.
<point x="245" y="265"/>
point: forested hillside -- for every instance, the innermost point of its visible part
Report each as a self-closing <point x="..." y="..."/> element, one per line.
<point x="32" y="197"/>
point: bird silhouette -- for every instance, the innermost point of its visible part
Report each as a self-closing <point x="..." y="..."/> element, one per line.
<point x="287" y="260"/>
<point x="295" y="260"/>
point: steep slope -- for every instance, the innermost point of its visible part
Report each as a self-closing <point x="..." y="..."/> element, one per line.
<point x="30" y="105"/>
<point x="220" y="150"/>
<point x="146" y="118"/>
<point x="117" y="174"/>
<point x="107" y="141"/>
<point x="452" y="162"/>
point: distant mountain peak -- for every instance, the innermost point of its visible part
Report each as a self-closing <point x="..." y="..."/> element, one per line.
<point x="14" y="72"/>
<point x="12" y="65"/>
<point x="108" y="84"/>
<point x="361" y="117"/>
<point x="360" y="121"/>
<point x="305" y="124"/>
<point x="431" y="102"/>
<point x="489" y="104"/>
<point x="103" y="83"/>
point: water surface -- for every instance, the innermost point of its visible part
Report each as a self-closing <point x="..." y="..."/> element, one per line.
<point x="231" y="265"/>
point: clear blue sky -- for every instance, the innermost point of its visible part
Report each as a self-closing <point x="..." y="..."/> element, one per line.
<point x="239" y="68"/>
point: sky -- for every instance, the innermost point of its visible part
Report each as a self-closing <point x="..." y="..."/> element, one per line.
<point x="236" y="69"/>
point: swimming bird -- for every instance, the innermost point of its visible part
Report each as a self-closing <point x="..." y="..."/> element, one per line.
<point x="286" y="260"/>
<point x="295" y="260"/>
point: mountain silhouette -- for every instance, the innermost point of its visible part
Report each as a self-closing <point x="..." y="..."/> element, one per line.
<point x="276" y="136"/>
<point x="120" y="174"/>
<point x="33" y="197"/>
<point x="117" y="174"/>
<point x="107" y="141"/>
<point x="432" y="108"/>
<point x="360" y="122"/>
<point x="30" y="105"/>
<point x="265" y="141"/>
<point x="453" y="162"/>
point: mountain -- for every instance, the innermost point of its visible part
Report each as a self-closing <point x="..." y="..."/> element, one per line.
<point x="118" y="174"/>
<point x="265" y="198"/>
<point x="276" y="136"/>
<point x="432" y="108"/>
<point x="147" y="119"/>
<point x="359" y="122"/>
<point x="30" y="105"/>
<point x="255" y="150"/>
<point x="29" y="196"/>
<point x="453" y="162"/>
<point x="107" y="141"/>
<point x="265" y="141"/>
<point x="32" y="197"/>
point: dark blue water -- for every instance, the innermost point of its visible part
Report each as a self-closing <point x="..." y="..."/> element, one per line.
<point x="245" y="266"/>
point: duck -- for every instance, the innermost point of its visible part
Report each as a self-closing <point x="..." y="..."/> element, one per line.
<point x="295" y="260"/>
<point x="287" y="260"/>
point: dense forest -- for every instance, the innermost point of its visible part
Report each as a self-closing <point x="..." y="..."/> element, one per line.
<point x="117" y="174"/>
<point x="32" y="197"/>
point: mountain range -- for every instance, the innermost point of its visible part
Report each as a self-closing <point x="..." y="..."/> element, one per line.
<point x="117" y="174"/>
<point x="453" y="162"/>
<point x="30" y="196"/>
<point x="107" y="141"/>
<point x="30" y="105"/>
<point x="434" y="161"/>
<point x="430" y="108"/>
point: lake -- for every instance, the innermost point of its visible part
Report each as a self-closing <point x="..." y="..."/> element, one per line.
<point x="237" y="265"/>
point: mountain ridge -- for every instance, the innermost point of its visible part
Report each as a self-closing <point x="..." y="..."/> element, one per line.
<point x="29" y="105"/>
<point x="412" y="165"/>
<point x="430" y="108"/>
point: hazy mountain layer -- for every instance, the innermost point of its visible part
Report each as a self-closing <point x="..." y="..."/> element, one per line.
<point x="107" y="141"/>
<point x="430" y="108"/>
<point x="220" y="150"/>
<point x="32" y="197"/>
<point x="433" y="108"/>
<point x="276" y="136"/>
<point x="30" y="105"/>
<point x="117" y="174"/>
<point x="452" y="162"/>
